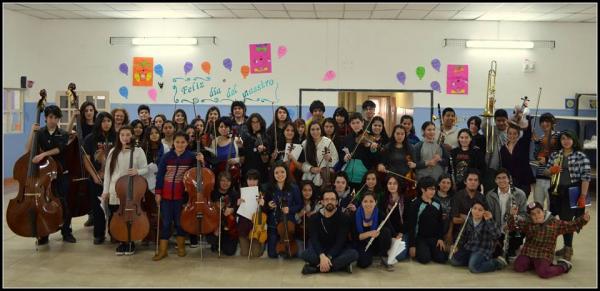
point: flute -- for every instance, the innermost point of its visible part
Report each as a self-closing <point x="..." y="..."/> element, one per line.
<point x="455" y="245"/>
<point x="381" y="225"/>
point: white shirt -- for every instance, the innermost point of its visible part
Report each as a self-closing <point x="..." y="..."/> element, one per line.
<point x="139" y="163"/>
<point x="316" y="178"/>
<point x="503" y="196"/>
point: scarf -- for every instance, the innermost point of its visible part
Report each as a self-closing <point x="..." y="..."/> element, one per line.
<point x="360" y="216"/>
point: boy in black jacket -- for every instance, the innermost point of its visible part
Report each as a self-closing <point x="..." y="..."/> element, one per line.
<point x="425" y="225"/>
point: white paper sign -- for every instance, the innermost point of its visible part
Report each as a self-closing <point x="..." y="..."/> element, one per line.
<point x="248" y="207"/>
<point x="296" y="151"/>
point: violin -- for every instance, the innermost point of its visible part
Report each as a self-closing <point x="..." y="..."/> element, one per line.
<point x="36" y="211"/>
<point x="411" y="187"/>
<point x="259" y="220"/>
<point x="233" y="169"/>
<point x="130" y="222"/>
<point x="77" y="198"/>
<point x="199" y="216"/>
<point x="286" y="245"/>
<point x="230" y="225"/>
<point x="327" y="173"/>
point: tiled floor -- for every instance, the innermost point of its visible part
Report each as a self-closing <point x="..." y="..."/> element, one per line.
<point x="87" y="265"/>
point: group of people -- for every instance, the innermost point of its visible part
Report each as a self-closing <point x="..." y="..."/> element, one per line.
<point x="356" y="191"/>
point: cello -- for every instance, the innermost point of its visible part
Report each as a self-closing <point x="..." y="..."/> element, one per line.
<point x="199" y="216"/>
<point x="36" y="211"/>
<point x="130" y="222"/>
<point x="285" y="229"/>
<point x="78" y="198"/>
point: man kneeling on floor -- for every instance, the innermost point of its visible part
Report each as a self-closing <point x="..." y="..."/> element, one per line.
<point x="328" y="250"/>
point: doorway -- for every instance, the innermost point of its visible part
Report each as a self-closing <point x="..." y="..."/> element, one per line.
<point x="390" y="104"/>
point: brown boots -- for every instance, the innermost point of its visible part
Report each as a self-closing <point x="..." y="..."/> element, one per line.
<point x="162" y="250"/>
<point x="565" y="252"/>
<point x="181" y="246"/>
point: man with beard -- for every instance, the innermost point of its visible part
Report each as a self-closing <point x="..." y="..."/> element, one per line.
<point x="328" y="250"/>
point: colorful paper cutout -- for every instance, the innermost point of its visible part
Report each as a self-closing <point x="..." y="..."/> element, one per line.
<point x="457" y="81"/>
<point x="260" y="58"/>
<point x="205" y="67"/>
<point x="401" y="76"/>
<point x="123" y="68"/>
<point x="142" y="71"/>
<point x="420" y="72"/>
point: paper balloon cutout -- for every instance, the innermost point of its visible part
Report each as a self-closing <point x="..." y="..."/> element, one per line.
<point x="123" y="68"/>
<point x="187" y="67"/>
<point x="329" y="75"/>
<point x="245" y="70"/>
<point x="152" y="94"/>
<point x="435" y="63"/>
<point x="206" y="67"/>
<point x="281" y="51"/>
<point x="124" y="92"/>
<point x="420" y="72"/>
<point x="227" y="64"/>
<point x="401" y="76"/>
<point x="158" y="69"/>
<point x="435" y="85"/>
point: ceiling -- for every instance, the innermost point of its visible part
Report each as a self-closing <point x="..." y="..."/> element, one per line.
<point x="554" y="12"/>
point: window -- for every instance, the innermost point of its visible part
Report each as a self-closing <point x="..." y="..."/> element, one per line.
<point x="99" y="98"/>
<point x="12" y="112"/>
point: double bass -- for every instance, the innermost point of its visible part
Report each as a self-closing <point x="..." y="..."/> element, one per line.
<point x="286" y="245"/>
<point x="199" y="215"/>
<point x="78" y="198"/>
<point x="130" y="222"/>
<point x="36" y="211"/>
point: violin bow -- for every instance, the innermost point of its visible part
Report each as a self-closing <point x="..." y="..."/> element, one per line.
<point x="396" y="174"/>
<point x="381" y="225"/>
<point x="361" y="138"/>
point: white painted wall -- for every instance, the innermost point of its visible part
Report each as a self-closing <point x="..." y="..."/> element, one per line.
<point x="365" y="54"/>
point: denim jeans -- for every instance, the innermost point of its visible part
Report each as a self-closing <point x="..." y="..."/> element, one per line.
<point x="170" y="212"/>
<point x="340" y="262"/>
<point x="477" y="261"/>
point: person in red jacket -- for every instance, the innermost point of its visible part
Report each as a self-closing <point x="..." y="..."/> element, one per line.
<point x="169" y="191"/>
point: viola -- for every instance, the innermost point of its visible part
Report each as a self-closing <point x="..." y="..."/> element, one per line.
<point x="77" y="198"/>
<point x="233" y="169"/>
<point x="199" y="215"/>
<point x="36" y="211"/>
<point x="130" y="222"/>
<point x="230" y="224"/>
<point x="411" y="187"/>
<point x="259" y="220"/>
<point x="286" y="245"/>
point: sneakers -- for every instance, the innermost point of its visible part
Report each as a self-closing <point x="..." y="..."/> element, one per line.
<point x="501" y="262"/>
<point x="194" y="245"/>
<point x="387" y="266"/>
<point x="308" y="269"/>
<point x="42" y="241"/>
<point x="99" y="240"/>
<point x="121" y="249"/>
<point x="565" y="252"/>
<point x="349" y="269"/>
<point x="129" y="249"/>
<point x="565" y="264"/>
<point x="69" y="238"/>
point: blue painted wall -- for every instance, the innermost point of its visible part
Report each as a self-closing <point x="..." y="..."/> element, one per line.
<point x="14" y="143"/>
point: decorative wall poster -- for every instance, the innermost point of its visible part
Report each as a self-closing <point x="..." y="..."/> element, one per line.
<point x="457" y="81"/>
<point x="142" y="71"/>
<point x="260" y="58"/>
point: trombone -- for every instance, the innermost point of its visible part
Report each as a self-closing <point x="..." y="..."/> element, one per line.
<point x="488" y="112"/>
<point x="555" y="180"/>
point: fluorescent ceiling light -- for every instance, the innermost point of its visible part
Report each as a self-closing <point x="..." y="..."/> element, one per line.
<point x="499" y="44"/>
<point x="164" y="41"/>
